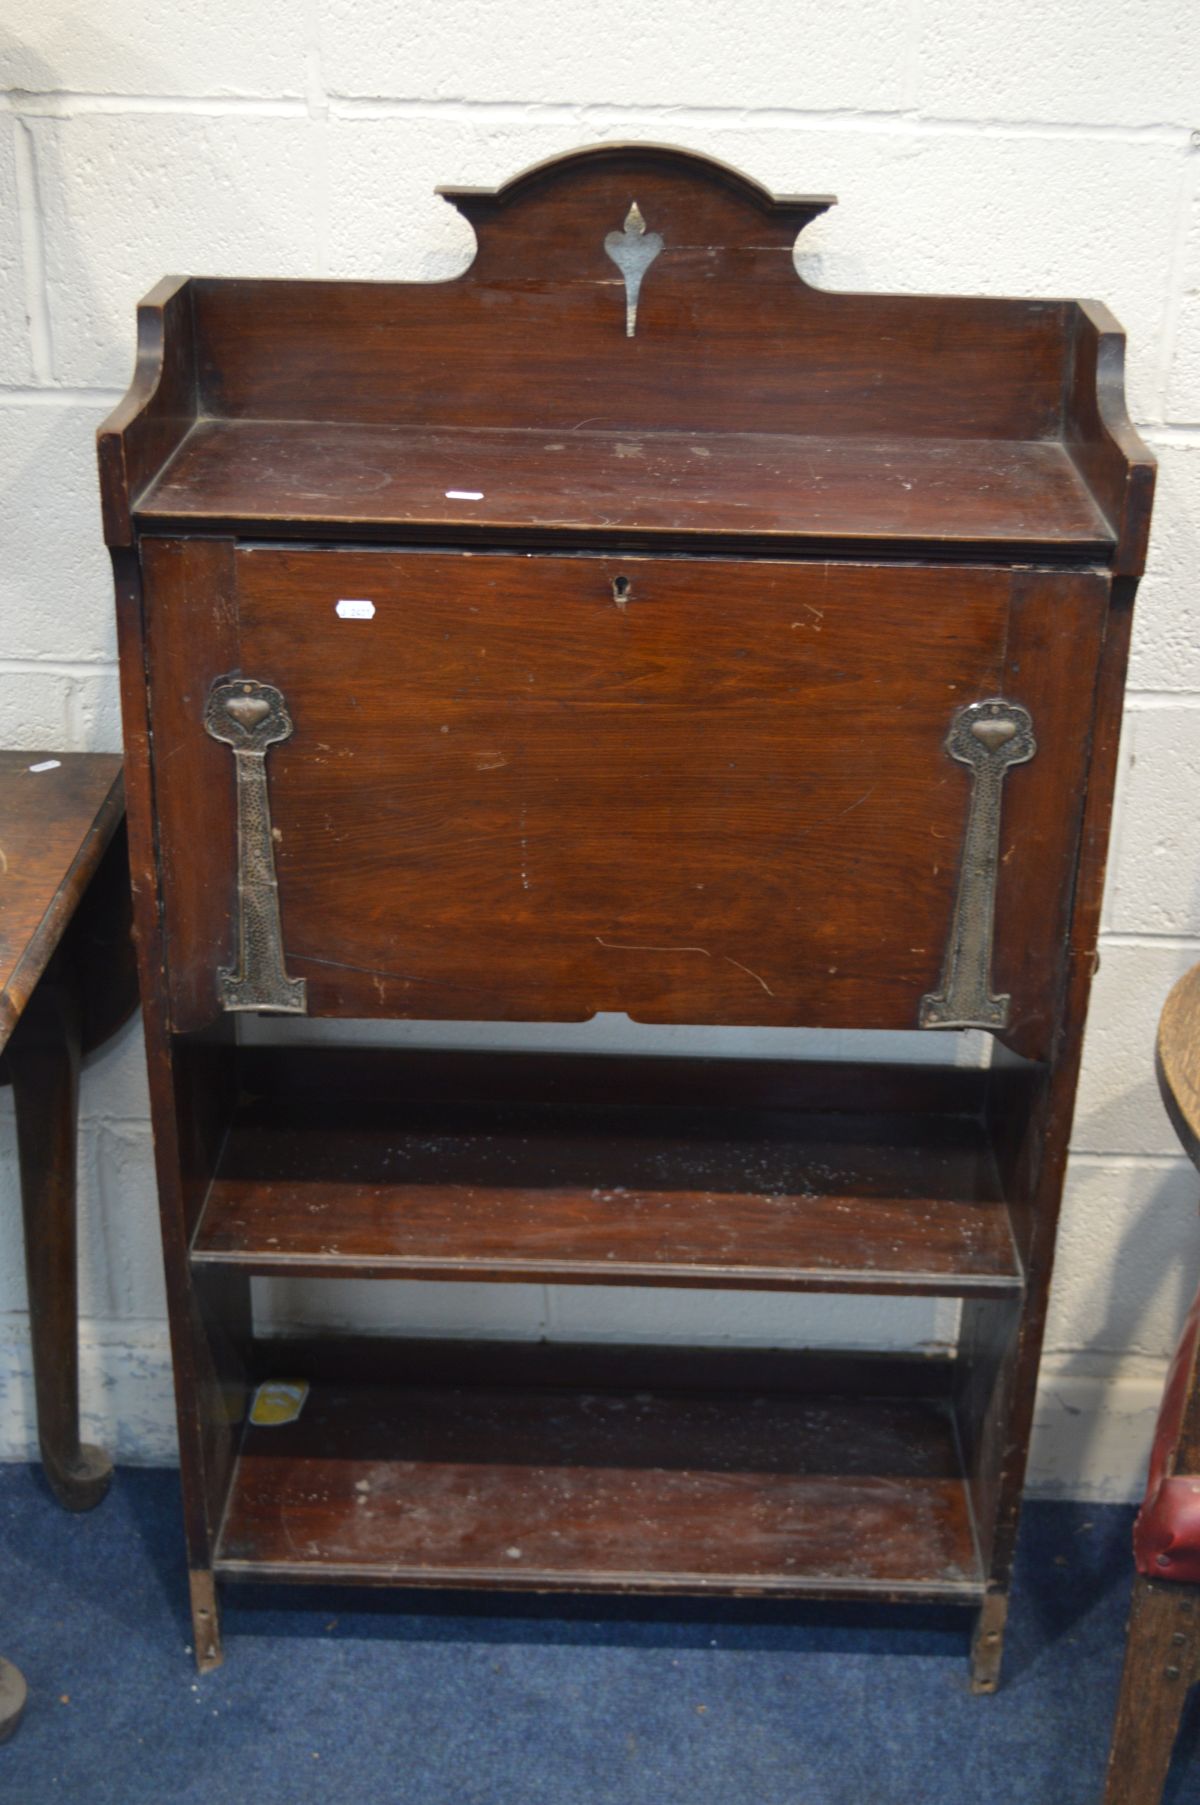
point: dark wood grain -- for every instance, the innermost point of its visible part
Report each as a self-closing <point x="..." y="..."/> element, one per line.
<point x="43" y="1061"/>
<point x="1100" y="436"/>
<point x="145" y="429"/>
<point x="729" y="339"/>
<point x="569" y="1194"/>
<point x="683" y="490"/>
<point x="470" y="813"/>
<point x="621" y="1491"/>
<point x="54" y="828"/>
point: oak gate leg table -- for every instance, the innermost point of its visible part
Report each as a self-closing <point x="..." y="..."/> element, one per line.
<point x="623" y="626"/>
<point x="67" y="981"/>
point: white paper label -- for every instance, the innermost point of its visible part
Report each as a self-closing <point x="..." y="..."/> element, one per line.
<point x="48" y="764"/>
<point x="464" y="494"/>
<point x="353" y="610"/>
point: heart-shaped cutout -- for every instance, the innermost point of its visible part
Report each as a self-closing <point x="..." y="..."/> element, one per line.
<point x="994" y="734"/>
<point x="248" y="711"/>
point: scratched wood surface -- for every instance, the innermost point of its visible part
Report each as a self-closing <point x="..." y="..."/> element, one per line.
<point x="689" y="490"/>
<point x="521" y="790"/>
<point x="54" y="828"/>
<point x="566" y="1193"/>
<point x="625" y="1491"/>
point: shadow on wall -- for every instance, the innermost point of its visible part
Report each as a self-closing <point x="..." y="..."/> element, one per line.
<point x="1098" y="1401"/>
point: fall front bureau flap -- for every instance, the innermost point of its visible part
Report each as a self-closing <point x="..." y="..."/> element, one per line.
<point x="695" y="790"/>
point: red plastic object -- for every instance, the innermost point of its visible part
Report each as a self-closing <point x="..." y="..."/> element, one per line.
<point x="1166" y="1536"/>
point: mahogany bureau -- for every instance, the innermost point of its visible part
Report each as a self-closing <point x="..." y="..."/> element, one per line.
<point x="624" y="625"/>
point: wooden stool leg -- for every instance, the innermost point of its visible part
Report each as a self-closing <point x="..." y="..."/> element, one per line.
<point x="43" y="1059"/>
<point x="206" y="1619"/>
<point x="1161" y="1653"/>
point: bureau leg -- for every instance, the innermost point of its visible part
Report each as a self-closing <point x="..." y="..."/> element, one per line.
<point x="1161" y="1651"/>
<point x="206" y="1619"/>
<point x="43" y="1060"/>
<point x="987" y="1642"/>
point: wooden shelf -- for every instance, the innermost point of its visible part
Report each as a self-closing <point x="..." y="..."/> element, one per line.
<point x="740" y="1193"/>
<point x="295" y="476"/>
<point x="531" y="1487"/>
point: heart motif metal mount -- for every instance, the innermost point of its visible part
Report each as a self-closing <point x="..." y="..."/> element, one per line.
<point x="993" y="734"/>
<point x="248" y="711"/>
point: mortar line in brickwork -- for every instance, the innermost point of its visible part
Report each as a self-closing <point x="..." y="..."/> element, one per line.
<point x="58" y="667"/>
<point x="882" y="121"/>
<point x="1174" y="287"/>
<point x="1179" y="432"/>
<point x="1107" y="1363"/>
<point x="903" y="121"/>
<point x="1135" y="1365"/>
<point x="1180" y="943"/>
<point x="64" y="103"/>
<point x="1145" y="701"/>
<point x="33" y="253"/>
<point x="1150" y="1162"/>
<point x="102" y="1118"/>
<point x="25" y="395"/>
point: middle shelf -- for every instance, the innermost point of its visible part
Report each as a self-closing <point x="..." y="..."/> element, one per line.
<point x="585" y="1170"/>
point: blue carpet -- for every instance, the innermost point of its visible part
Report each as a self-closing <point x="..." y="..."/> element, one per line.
<point x="421" y="1699"/>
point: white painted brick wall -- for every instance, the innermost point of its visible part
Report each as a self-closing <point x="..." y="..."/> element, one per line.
<point x="626" y="56"/>
<point x="1166" y="634"/>
<point x="1183" y="383"/>
<point x="1030" y="149"/>
<point x="1074" y="62"/>
<point x="16" y="353"/>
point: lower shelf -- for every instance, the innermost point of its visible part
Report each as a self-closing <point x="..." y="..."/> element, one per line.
<point x="516" y="1486"/>
<point x="577" y="1170"/>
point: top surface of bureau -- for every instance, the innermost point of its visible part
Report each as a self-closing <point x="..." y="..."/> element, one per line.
<point x="683" y="490"/>
<point x="631" y="360"/>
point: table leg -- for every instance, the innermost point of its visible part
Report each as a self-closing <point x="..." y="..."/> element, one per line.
<point x="43" y="1060"/>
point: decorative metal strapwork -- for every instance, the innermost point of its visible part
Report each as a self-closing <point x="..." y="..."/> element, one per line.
<point x="250" y="716"/>
<point x="988" y="737"/>
<point x="633" y="251"/>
